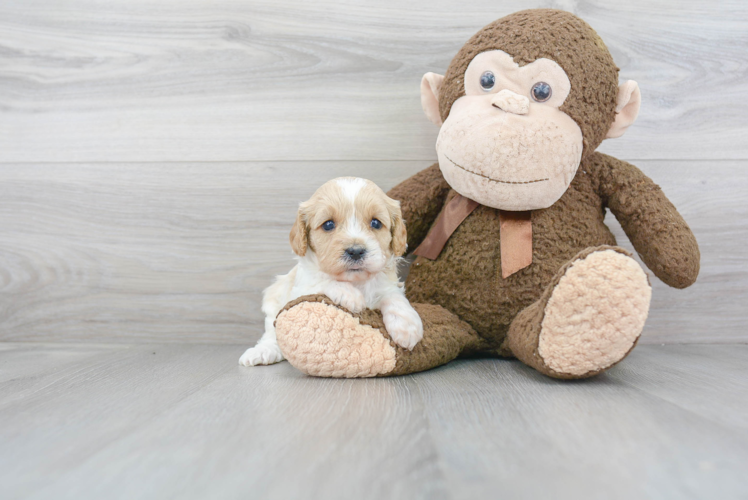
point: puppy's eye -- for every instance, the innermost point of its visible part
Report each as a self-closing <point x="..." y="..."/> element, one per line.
<point x="376" y="224"/>
<point x="487" y="81"/>
<point x="328" y="225"/>
<point x="541" y="91"/>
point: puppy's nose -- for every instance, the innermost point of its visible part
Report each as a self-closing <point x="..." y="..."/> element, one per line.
<point x="355" y="253"/>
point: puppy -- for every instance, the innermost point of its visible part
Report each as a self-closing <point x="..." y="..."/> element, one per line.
<point x="348" y="238"/>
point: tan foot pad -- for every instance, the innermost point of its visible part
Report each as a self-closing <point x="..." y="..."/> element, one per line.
<point x="326" y="341"/>
<point x="595" y="314"/>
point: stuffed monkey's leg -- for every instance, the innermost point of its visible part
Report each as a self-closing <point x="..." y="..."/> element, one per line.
<point x="588" y="319"/>
<point x="325" y="340"/>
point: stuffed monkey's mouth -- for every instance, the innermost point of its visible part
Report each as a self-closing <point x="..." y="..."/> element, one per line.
<point x="491" y="179"/>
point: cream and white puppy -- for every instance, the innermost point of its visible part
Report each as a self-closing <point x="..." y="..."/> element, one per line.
<point x="348" y="238"/>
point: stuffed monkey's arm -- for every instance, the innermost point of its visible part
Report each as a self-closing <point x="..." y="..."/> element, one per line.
<point x="421" y="199"/>
<point x="659" y="234"/>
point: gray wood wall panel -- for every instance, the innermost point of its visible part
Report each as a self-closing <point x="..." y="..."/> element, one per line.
<point x="151" y="155"/>
<point x="181" y="252"/>
<point x="240" y="80"/>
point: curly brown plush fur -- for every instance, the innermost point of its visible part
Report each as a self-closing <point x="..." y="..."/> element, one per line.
<point x="466" y="278"/>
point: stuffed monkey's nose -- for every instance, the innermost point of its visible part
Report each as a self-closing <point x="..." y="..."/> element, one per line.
<point x="511" y="103"/>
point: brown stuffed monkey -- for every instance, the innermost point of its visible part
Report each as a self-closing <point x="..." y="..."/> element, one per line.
<point x="514" y="258"/>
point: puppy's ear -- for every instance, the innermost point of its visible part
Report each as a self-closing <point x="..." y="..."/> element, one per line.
<point x="299" y="236"/>
<point x="399" y="234"/>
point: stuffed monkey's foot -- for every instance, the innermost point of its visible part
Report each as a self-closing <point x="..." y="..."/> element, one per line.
<point x="325" y="340"/>
<point x="589" y="318"/>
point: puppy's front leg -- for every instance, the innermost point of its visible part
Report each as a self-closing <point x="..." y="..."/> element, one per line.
<point x="266" y="352"/>
<point x="401" y="321"/>
<point x="346" y="295"/>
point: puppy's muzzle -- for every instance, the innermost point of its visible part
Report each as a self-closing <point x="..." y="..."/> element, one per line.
<point x="355" y="253"/>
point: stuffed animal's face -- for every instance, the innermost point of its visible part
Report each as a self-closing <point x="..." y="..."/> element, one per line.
<point x="505" y="142"/>
<point x="521" y="104"/>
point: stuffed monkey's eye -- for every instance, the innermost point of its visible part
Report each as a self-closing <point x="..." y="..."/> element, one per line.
<point x="541" y="91"/>
<point x="487" y="81"/>
<point x="328" y="225"/>
<point x="376" y="224"/>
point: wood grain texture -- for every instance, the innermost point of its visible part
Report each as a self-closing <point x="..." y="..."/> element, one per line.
<point x="182" y="252"/>
<point x="602" y="438"/>
<point x="177" y="244"/>
<point x="238" y="80"/>
<point x="169" y="421"/>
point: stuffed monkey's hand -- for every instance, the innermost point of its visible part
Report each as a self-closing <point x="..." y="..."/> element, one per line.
<point x="402" y="322"/>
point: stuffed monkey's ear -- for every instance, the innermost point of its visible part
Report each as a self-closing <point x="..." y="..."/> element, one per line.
<point x="431" y="83"/>
<point x="627" y="108"/>
<point x="299" y="234"/>
<point x="399" y="234"/>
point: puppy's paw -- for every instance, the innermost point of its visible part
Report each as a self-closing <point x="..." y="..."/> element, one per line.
<point x="349" y="297"/>
<point x="403" y="324"/>
<point x="261" y="354"/>
<point x="354" y="302"/>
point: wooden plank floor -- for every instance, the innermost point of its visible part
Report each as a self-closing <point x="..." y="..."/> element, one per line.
<point x="185" y="421"/>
